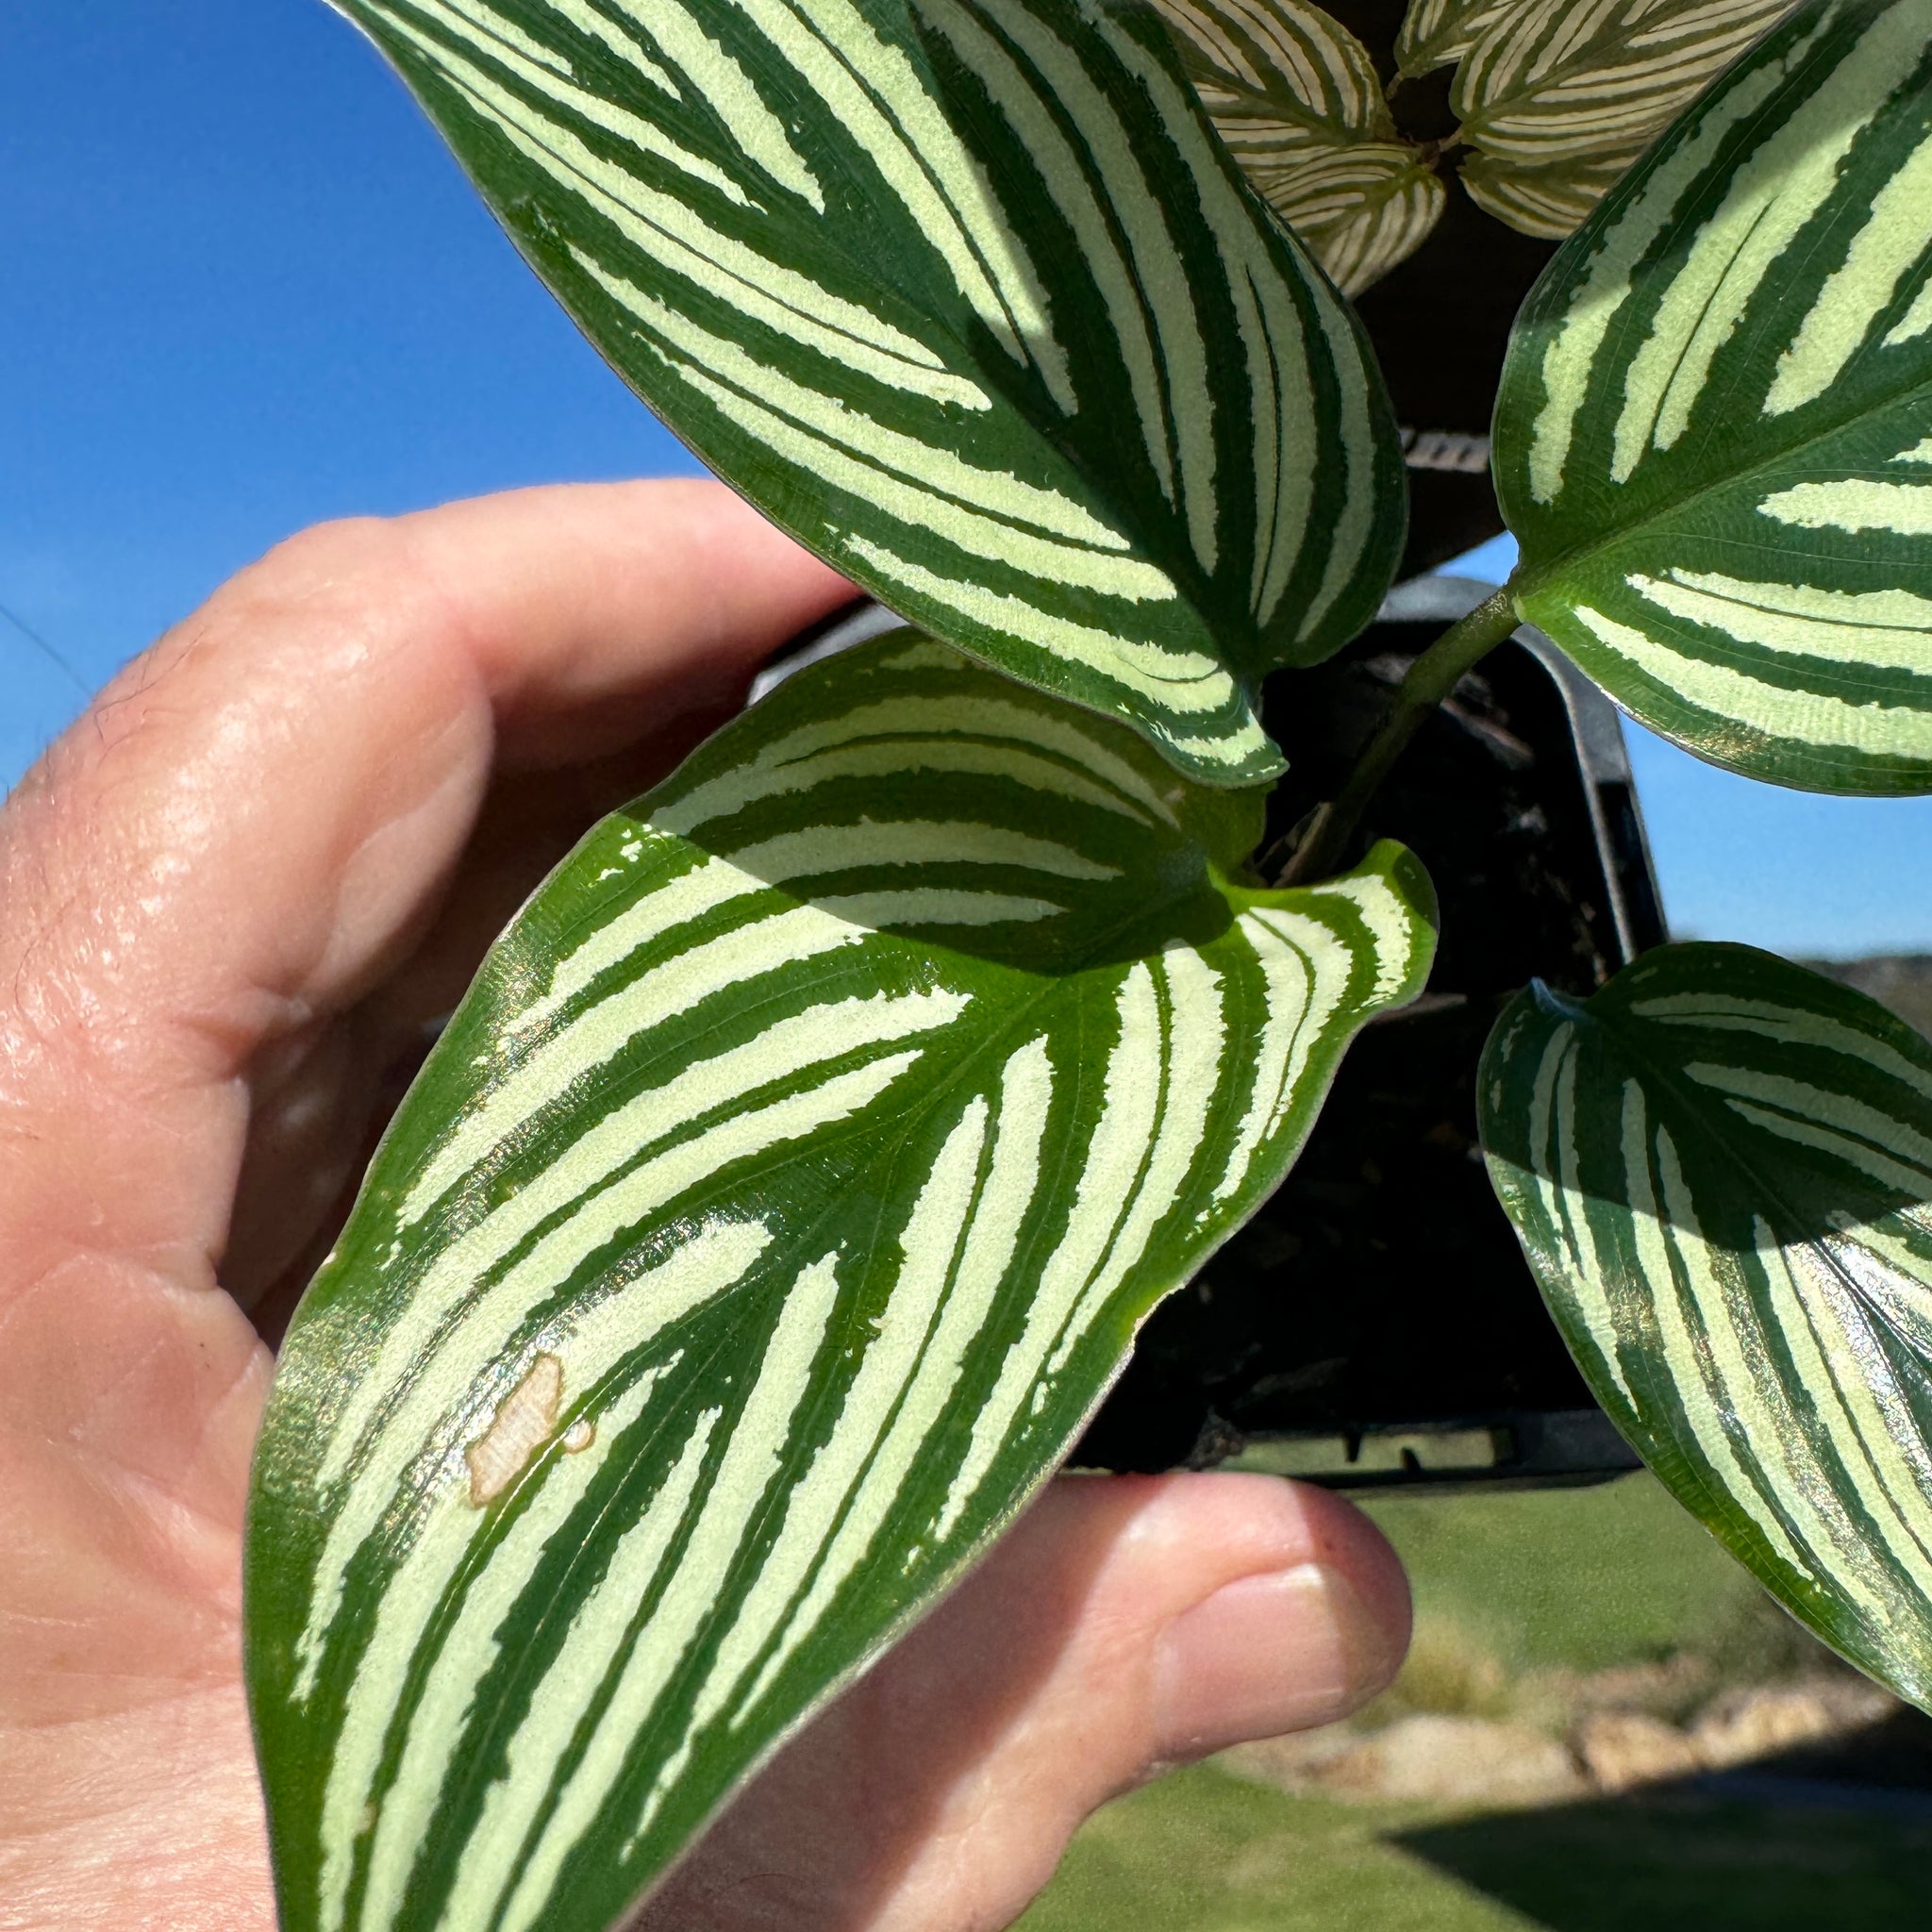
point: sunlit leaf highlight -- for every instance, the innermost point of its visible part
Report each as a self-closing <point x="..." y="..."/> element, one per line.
<point x="964" y="294"/>
<point x="1721" y="1170"/>
<point x="1711" y="439"/>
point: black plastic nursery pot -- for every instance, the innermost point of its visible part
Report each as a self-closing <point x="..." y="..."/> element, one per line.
<point x="1375" y="1326"/>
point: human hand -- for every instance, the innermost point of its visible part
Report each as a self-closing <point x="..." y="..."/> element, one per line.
<point x="230" y="897"/>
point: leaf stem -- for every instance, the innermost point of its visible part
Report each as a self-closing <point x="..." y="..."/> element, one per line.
<point x="1429" y="681"/>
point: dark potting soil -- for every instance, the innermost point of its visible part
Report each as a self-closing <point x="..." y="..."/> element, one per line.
<point x="1382" y="1284"/>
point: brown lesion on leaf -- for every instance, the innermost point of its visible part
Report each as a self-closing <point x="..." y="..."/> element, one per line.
<point x="522" y="1425"/>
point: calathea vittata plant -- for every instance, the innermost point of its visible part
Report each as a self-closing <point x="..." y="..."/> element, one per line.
<point x="1552" y="101"/>
<point x="792" y="1182"/>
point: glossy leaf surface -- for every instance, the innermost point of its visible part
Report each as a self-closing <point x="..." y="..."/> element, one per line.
<point x="964" y="295"/>
<point x="1711" y="437"/>
<point x="1721" y="1170"/>
<point x="1297" y="98"/>
<point x="764" y="1227"/>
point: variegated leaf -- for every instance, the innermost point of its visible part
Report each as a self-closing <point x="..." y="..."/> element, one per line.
<point x="1547" y="200"/>
<point x="763" y="1228"/>
<point x="1712" y="435"/>
<point x="1559" y="96"/>
<point x="1360" y="208"/>
<point x="964" y="295"/>
<point x="1434" y="32"/>
<point x="1552" y="80"/>
<point x="1278" y="74"/>
<point x="1721" y="1170"/>
<point x="1295" y="96"/>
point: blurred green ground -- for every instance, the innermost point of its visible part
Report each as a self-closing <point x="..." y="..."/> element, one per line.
<point x="1586" y="1580"/>
<point x="1205" y="1852"/>
<point x="1506" y="1588"/>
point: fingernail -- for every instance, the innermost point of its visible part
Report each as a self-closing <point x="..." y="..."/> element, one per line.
<point x="1268" y="1655"/>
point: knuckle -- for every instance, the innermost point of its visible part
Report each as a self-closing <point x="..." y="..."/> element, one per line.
<point x="327" y="557"/>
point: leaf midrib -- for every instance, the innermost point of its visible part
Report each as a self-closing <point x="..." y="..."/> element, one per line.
<point x="887" y="1154"/>
<point x="1717" y="1133"/>
<point x="999" y="374"/>
<point x="1532" y="580"/>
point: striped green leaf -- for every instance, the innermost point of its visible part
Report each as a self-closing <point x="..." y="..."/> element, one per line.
<point x="1296" y="99"/>
<point x="1554" y="80"/>
<point x="1361" y="208"/>
<point x="1712" y="437"/>
<point x="765" y="1226"/>
<point x="963" y="294"/>
<point x="1547" y="200"/>
<point x="1434" y="32"/>
<point x="1278" y="74"/>
<point x="1721" y="1170"/>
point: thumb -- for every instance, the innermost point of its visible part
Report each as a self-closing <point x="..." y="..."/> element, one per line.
<point x="1122" y="1624"/>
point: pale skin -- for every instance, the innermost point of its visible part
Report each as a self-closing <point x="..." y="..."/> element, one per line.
<point x="229" y="897"/>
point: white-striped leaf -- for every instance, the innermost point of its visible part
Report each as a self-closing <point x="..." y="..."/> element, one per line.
<point x="1434" y="32"/>
<point x="1547" y="201"/>
<point x="765" y="1226"/>
<point x="1711" y="438"/>
<point x="964" y="295"/>
<point x="1559" y="97"/>
<point x="1554" y="80"/>
<point x="1721" y="1170"/>
<point x="1360" y="208"/>
<point x="1296" y="99"/>
<point x="1278" y="74"/>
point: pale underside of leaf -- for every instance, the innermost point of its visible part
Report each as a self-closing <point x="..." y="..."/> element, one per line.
<point x="762" y="1231"/>
<point x="962" y="293"/>
<point x="1295" y="97"/>
<point x="1558" y="96"/>
<point x="1434" y="32"/>
<point x="1545" y="200"/>
<point x="1721" y="1170"/>
<point x="1549" y="79"/>
<point x="1272" y="72"/>
<point x="1711" y="437"/>
<point x="1361" y="208"/>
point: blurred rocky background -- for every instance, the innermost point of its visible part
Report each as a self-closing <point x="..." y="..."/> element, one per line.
<point x="1604" y="1724"/>
<point x="1902" y="981"/>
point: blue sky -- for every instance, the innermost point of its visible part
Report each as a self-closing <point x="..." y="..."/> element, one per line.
<point x="247" y="290"/>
